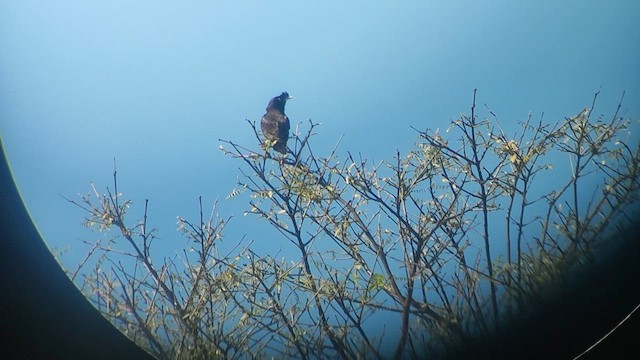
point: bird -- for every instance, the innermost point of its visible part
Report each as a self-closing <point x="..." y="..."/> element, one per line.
<point x="275" y="123"/>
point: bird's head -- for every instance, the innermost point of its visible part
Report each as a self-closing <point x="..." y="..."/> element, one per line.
<point x="285" y="96"/>
<point x="278" y="102"/>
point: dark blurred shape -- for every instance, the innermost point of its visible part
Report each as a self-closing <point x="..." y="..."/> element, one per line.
<point x="577" y="311"/>
<point x="42" y="314"/>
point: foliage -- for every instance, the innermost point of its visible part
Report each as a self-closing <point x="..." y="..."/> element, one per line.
<point x="442" y="242"/>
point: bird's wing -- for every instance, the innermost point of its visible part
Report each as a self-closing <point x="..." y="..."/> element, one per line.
<point x="269" y="126"/>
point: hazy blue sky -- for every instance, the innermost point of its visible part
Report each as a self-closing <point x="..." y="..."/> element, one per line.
<point x="155" y="84"/>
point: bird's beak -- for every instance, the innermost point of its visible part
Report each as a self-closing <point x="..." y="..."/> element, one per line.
<point x="290" y="97"/>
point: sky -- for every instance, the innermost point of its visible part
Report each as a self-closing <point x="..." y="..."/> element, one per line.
<point x="155" y="85"/>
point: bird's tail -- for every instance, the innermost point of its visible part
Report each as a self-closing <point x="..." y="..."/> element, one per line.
<point x="280" y="147"/>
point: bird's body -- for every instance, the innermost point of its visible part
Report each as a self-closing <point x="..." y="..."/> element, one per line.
<point x="275" y="124"/>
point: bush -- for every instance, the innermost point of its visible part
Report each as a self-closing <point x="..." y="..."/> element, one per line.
<point x="445" y="242"/>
